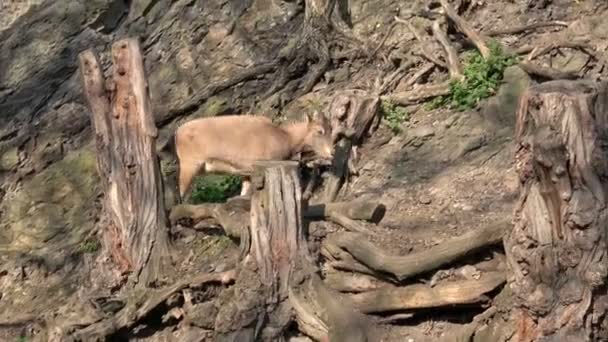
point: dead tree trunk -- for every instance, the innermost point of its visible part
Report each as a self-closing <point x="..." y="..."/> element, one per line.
<point x="277" y="279"/>
<point x="557" y="251"/>
<point x="135" y="227"/>
<point x="351" y="114"/>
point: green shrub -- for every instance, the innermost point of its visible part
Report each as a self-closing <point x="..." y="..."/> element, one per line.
<point x="215" y="188"/>
<point x="90" y="246"/>
<point x="393" y="115"/>
<point x="481" y="79"/>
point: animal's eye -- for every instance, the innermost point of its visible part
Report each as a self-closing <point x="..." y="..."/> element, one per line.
<point x="320" y="131"/>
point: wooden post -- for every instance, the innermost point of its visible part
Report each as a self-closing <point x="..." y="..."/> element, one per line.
<point x="277" y="277"/>
<point x="136" y="233"/>
<point x="557" y="252"/>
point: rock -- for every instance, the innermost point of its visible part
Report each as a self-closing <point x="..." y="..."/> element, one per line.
<point x="422" y="132"/>
<point x="447" y="123"/>
<point x="424" y="199"/>
<point x="500" y="110"/>
<point x="469" y="145"/>
<point x="570" y="62"/>
<point x="55" y="203"/>
<point x="9" y="159"/>
<point x="595" y="26"/>
<point x="470" y="272"/>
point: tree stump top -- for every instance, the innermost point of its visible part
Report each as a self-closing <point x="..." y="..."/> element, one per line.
<point x="276" y="163"/>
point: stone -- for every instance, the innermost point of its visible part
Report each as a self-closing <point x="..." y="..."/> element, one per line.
<point x="500" y="110"/>
<point x="424" y="199"/>
<point x="422" y="132"/>
<point x="9" y="159"/>
<point x="57" y="202"/>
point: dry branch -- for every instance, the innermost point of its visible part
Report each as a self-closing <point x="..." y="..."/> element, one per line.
<point x="348" y="224"/>
<point x="136" y="310"/>
<point x="395" y="77"/>
<point x="580" y="45"/>
<point x="419" y="94"/>
<point x="136" y="233"/>
<point x="454" y="66"/>
<point x="406" y="266"/>
<point x="354" y="210"/>
<point x="233" y="215"/>
<point x="426" y="68"/>
<point x="426" y="52"/>
<point x="423" y="296"/>
<point x="523" y="28"/>
<point x="464" y="27"/>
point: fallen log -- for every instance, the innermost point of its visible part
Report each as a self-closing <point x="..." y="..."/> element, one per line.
<point x="354" y="210"/>
<point x="423" y="296"/>
<point x="403" y="267"/>
<point x="352" y="282"/>
<point x="233" y="215"/>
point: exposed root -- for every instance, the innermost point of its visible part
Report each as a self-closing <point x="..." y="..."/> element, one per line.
<point x="423" y="296"/>
<point x="425" y="69"/>
<point x="419" y="94"/>
<point x="464" y="27"/>
<point x="580" y="45"/>
<point x="547" y="72"/>
<point x="524" y="28"/>
<point x="348" y="224"/>
<point x="454" y="66"/>
<point x="395" y="77"/>
<point x="403" y="267"/>
<point x="136" y="310"/>
<point x="201" y="96"/>
<point x="426" y="52"/>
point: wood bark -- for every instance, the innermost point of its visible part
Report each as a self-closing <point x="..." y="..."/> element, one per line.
<point x="420" y="296"/>
<point x="277" y="278"/>
<point x="405" y="266"/>
<point x="233" y="215"/>
<point x="136" y="232"/>
<point x="351" y="116"/>
<point x="557" y="252"/>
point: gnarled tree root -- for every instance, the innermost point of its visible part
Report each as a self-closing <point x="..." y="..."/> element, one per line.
<point x="403" y="267"/>
<point x="423" y="296"/>
<point x="233" y="215"/>
<point x="138" y="308"/>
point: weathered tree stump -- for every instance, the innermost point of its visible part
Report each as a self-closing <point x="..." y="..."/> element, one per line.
<point x="277" y="279"/>
<point x="135" y="225"/>
<point x="351" y="115"/>
<point x="557" y="251"/>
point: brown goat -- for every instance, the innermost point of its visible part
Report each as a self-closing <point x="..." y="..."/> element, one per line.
<point x="231" y="144"/>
